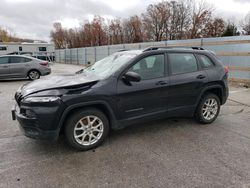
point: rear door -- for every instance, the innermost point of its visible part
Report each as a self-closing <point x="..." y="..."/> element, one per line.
<point x="4" y="67"/>
<point x="19" y="66"/>
<point x="186" y="79"/>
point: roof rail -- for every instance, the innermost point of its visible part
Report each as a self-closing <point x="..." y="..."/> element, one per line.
<point x="153" y="48"/>
<point x="197" y="48"/>
<point x="169" y="47"/>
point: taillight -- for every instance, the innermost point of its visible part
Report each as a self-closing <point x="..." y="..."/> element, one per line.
<point x="44" y="63"/>
<point x="226" y="69"/>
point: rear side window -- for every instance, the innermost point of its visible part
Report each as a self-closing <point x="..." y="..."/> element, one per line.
<point x="27" y="59"/>
<point x="205" y="61"/>
<point x="4" y="60"/>
<point x="181" y="63"/>
<point x="19" y="59"/>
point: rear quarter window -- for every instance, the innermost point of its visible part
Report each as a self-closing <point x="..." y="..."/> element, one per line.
<point x="205" y="61"/>
<point x="27" y="59"/>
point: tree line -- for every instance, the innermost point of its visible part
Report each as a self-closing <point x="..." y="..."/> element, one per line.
<point x="166" y="20"/>
<point x="6" y="36"/>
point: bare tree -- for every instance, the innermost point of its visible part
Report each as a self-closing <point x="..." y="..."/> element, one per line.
<point x="115" y="31"/>
<point x="166" y="20"/>
<point x="201" y="16"/>
<point x="246" y="24"/>
<point x="87" y="34"/>
<point x="179" y="19"/>
<point x="215" y="28"/>
<point x="155" y="20"/>
<point x="98" y="31"/>
<point x="7" y="36"/>
<point x="4" y="35"/>
<point x="59" y="36"/>
<point x="133" y="29"/>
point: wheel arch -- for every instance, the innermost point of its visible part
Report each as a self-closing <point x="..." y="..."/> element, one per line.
<point x="215" y="89"/>
<point x="99" y="105"/>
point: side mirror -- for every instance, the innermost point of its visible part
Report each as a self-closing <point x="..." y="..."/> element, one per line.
<point x="131" y="77"/>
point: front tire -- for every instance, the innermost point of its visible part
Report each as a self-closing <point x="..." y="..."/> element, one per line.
<point x="208" y="109"/>
<point x="86" y="129"/>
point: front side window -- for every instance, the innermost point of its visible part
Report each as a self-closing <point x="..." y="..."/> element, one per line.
<point x="4" y="60"/>
<point x="150" y="67"/>
<point x="181" y="63"/>
<point x="205" y="62"/>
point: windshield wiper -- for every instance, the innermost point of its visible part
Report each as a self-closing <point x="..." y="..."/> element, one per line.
<point x="80" y="71"/>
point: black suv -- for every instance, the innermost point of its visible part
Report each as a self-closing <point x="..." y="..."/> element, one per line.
<point x="125" y="88"/>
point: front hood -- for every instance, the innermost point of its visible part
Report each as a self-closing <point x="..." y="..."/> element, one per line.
<point x="56" y="82"/>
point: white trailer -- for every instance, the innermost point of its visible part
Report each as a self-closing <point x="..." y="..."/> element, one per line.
<point x="45" y="51"/>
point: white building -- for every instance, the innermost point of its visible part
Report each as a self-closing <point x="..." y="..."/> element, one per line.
<point x="43" y="51"/>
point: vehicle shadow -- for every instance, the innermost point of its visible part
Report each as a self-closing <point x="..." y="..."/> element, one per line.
<point x="152" y="127"/>
<point x="144" y="129"/>
<point x="14" y="79"/>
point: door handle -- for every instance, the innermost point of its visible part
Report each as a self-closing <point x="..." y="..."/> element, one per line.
<point x="5" y="66"/>
<point x="201" y="76"/>
<point x="161" y="83"/>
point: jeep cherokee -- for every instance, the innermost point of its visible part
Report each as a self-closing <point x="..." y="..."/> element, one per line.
<point x="124" y="88"/>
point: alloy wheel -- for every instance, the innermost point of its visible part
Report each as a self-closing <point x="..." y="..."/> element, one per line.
<point x="210" y="109"/>
<point x="88" y="130"/>
<point x="33" y="75"/>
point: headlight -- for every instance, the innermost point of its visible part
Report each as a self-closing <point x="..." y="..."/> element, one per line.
<point x="19" y="89"/>
<point x="41" y="99"/>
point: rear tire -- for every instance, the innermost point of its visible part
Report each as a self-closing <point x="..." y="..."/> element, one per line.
<point x="34" y="75"/>
<point x="86" y="129"/>
<point x="208" y="109"/>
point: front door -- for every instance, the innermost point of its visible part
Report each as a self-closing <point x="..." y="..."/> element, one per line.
<point x="147" y="96"/>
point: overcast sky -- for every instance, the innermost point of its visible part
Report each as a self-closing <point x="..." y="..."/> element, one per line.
<point x="34" y="18"/>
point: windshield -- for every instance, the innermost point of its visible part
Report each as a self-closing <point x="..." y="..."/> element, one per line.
<point x="110" y="64"/>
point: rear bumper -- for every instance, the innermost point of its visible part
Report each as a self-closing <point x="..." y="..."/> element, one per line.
<point x="45" y="72"/>
<point x="30" y="127"/>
